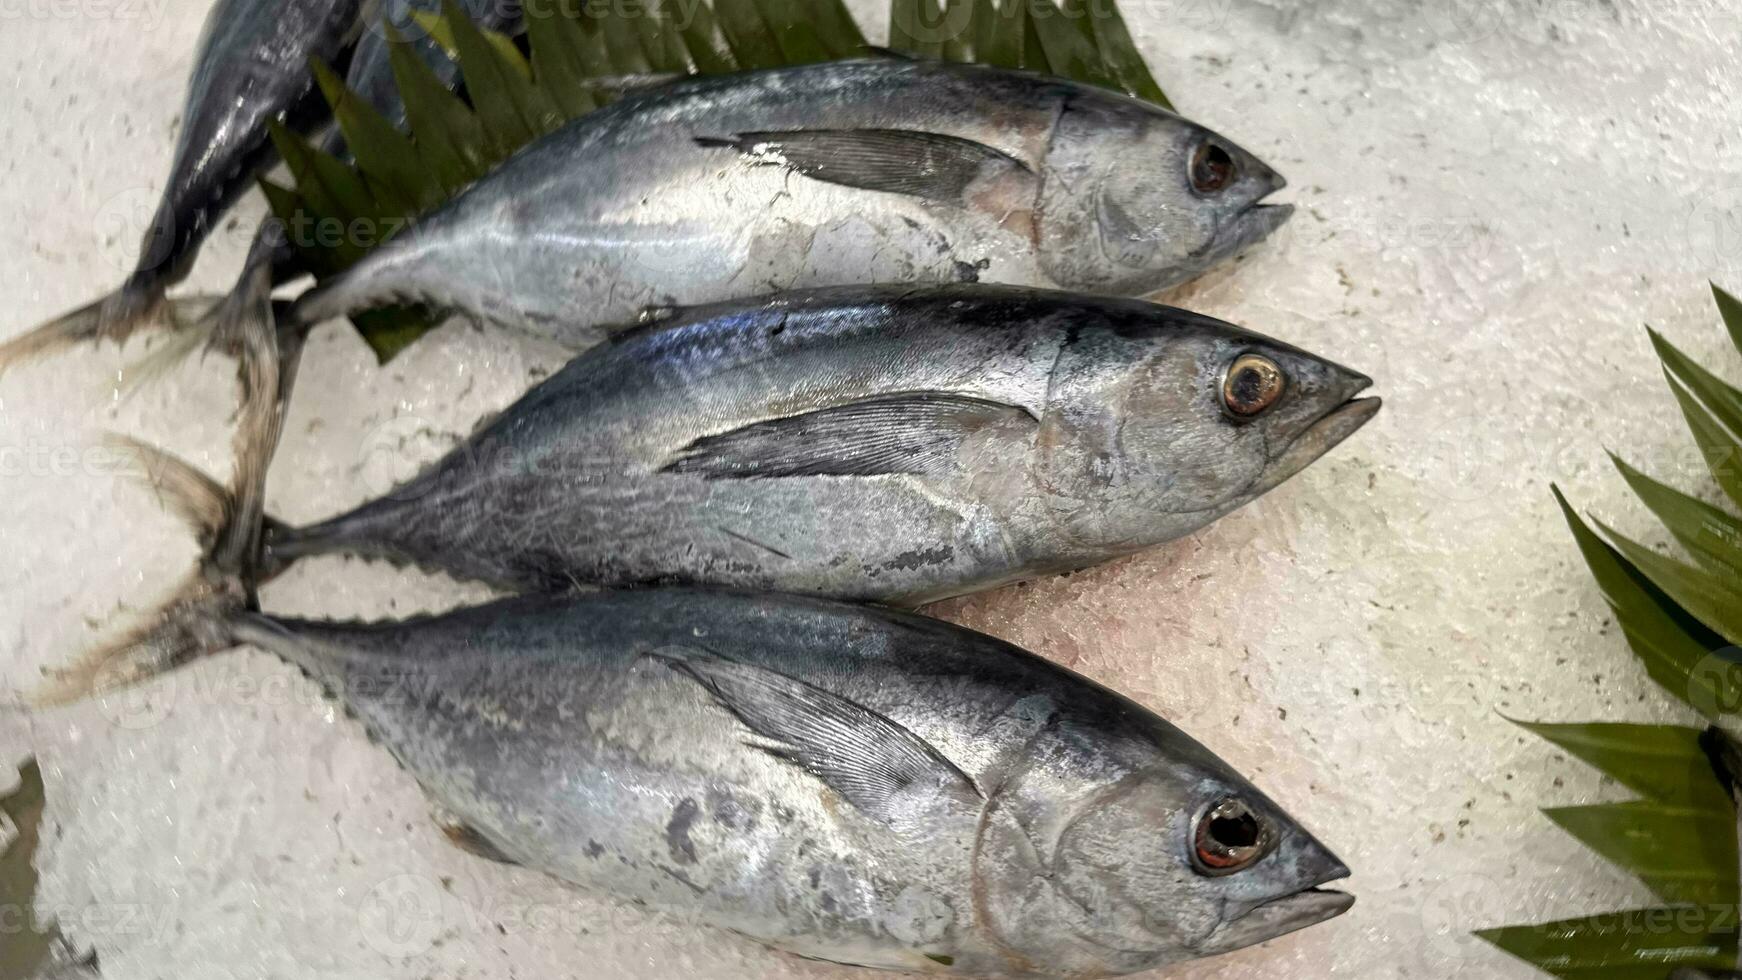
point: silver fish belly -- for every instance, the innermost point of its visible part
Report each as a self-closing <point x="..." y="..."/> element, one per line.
<point x="893" y="444"/>
<point x="849" y="172"/>
<point x="847" y="783"/>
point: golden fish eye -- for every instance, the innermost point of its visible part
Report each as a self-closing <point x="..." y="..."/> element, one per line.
<point x="1229" y="838"/>
<point x="1254" y="383"/>
<point x="1212" y="168"/>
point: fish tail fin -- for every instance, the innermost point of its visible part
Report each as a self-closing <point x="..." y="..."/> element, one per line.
<point x="117" y="317"/>
<point x="231" y="318"/>
<point x="195" y="620"/>
<point x="201" y="616"/>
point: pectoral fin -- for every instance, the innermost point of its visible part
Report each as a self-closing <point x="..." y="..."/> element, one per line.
<point x="914" y="433"/>
<point x="467" y="838"/>
<point x="932" y="166"/>
<point x="884" y="770"/>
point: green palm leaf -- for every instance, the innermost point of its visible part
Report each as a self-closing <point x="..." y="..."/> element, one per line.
<point x="1682" y="852"/>
<point x="1712" y="536"/>
<point x="1119" y="52"/>
<point x="1642" y="944"/>
<point x="514" y="99"/>
<point x="1681" y="839"/>
<point x="1731" y="309"/>
<point x="1069" y="41"/>
<point x="796" y="31"/>
<point x="916" y="27"/>
<point x="1008" y="46"/>
<point x="382" y="152"/>
<point x="1724" y="401"/>
<point x="1671" y="643"/>
<point x="564" y="57"/>
<point x="1714" y="600"/>
<point x="711" y="52"/>
<point x="1665" y="763"/>
<point x="1722" y="452"/>
<point x="514" y="111"/>
<point x="749" y="34"/>
<point x="447" y="135"/>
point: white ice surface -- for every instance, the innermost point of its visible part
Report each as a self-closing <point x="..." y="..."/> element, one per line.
<point x="1494" y="198"/>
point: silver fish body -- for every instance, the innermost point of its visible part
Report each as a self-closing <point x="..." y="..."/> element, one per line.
<point x="252" y="68"/>
<point x="847" y="783"/>
<point x="882" y="170"/>
<point x="892" y="444"/>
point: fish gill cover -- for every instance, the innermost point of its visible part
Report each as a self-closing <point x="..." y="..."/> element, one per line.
<point x="1683" y="620"/>
<point x="580" y="55"/>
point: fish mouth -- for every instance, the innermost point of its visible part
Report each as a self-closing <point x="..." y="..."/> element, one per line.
<point x="1278" y="917"/>
<point x="1259" y="221"/>
<point x="1322" y="436"/>
<point x="1331" y="429"/>
<point x="1245" y="229"/>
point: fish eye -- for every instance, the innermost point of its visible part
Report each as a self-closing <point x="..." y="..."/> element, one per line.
<point x="1229" y="838"/>
<point x="1213" y="169"/>
<point x="1254" y="383"/>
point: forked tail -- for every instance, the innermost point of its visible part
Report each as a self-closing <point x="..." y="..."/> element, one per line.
<point x="116" y="317"/>
<point x="200" y="617"/>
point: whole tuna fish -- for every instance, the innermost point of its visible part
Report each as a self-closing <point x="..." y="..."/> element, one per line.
<point x="252" y="67"/>
<point x="848" y="783"/>
<point x="881" y="170"/>
<point x="879" y="443"/>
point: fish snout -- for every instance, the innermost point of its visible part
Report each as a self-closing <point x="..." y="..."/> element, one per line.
<point x="1302" y="866"/>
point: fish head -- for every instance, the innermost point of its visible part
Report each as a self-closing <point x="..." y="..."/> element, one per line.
<point x="1135" y="199"/>
<point x="1170" y="420"/>
<point x="1191" y="861"/>
<point x="1152" y="852"/>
